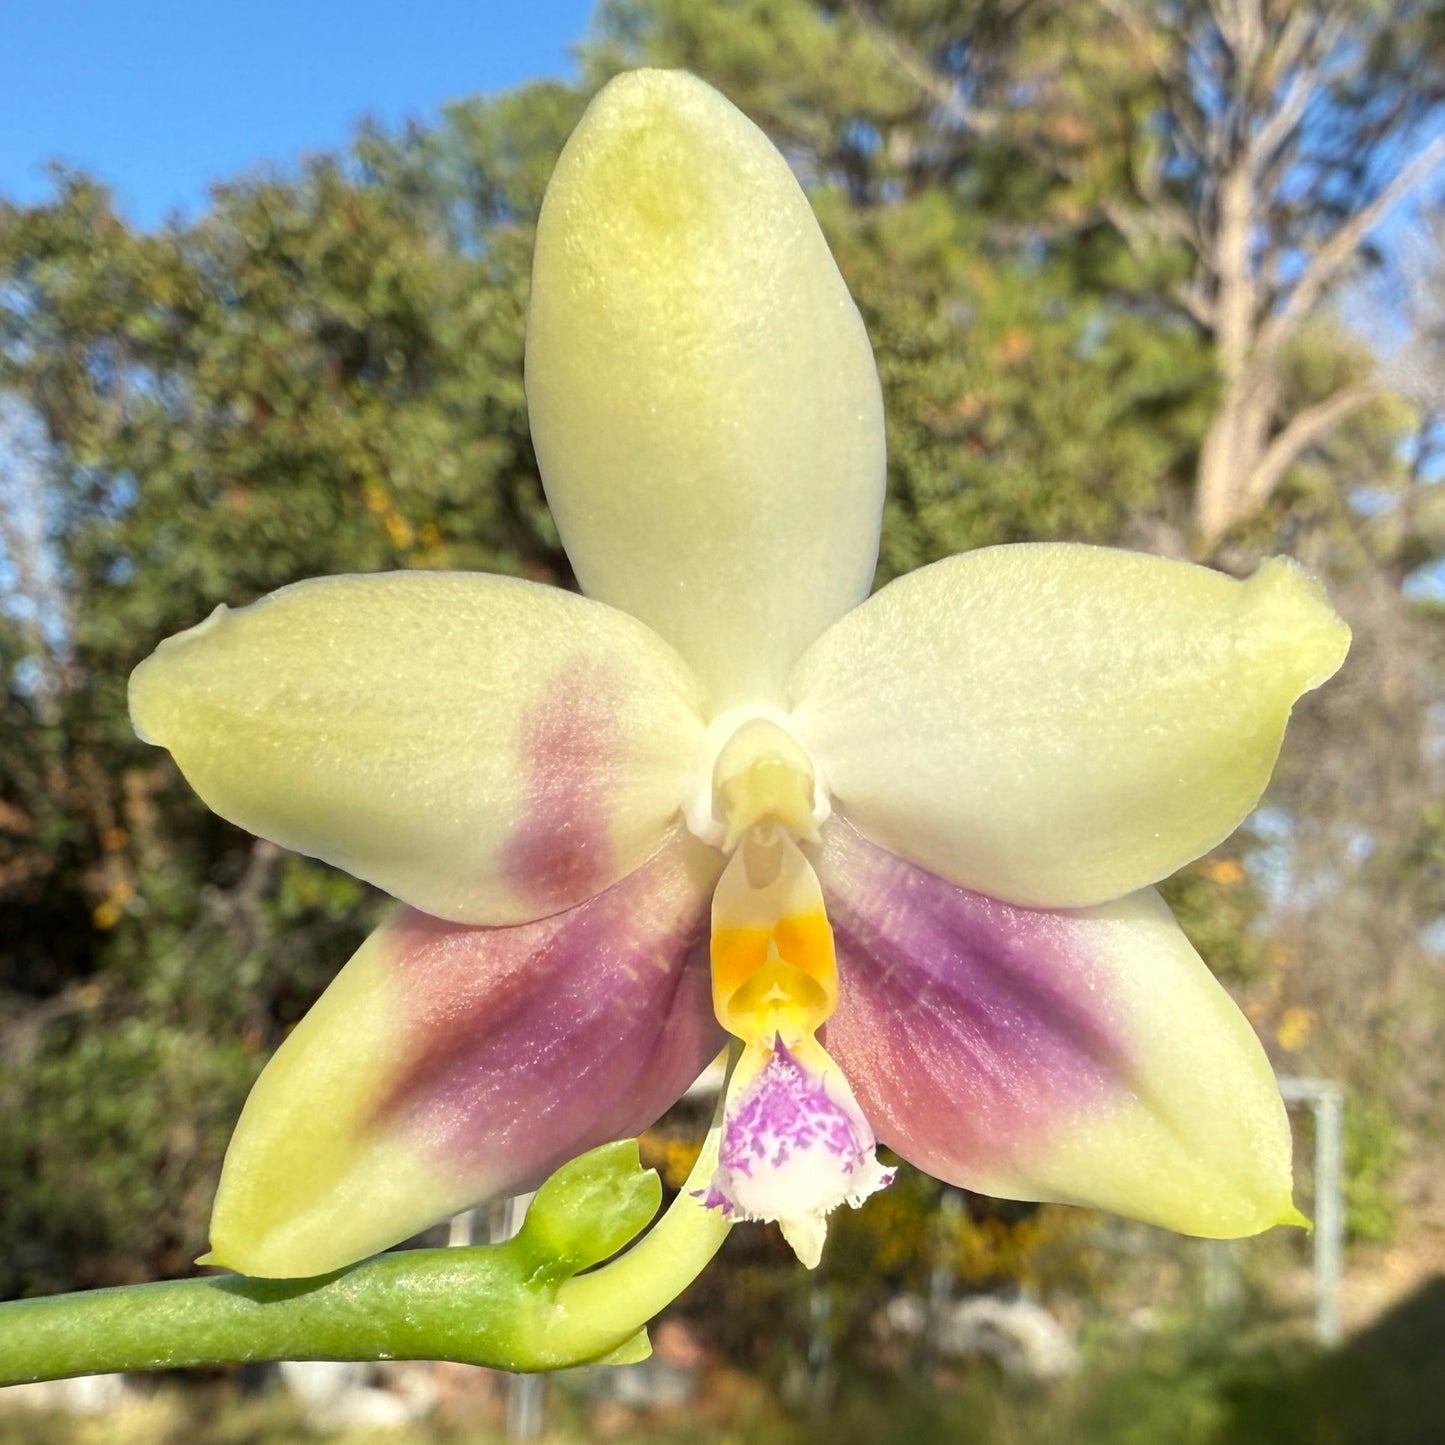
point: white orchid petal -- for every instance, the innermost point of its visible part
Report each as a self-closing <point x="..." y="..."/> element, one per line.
<point x="488" y="750"/>
<point x="1083" y="1055"/>
<point x="703" y="398"/>
<point x="1058" y="725"/>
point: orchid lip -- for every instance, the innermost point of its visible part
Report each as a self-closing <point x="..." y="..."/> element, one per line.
<point x="795" y="1146"/>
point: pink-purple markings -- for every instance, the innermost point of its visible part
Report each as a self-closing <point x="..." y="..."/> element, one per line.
<point x="528" y="1045"/>
<point x="561" y="850"/>
<point x="971" y="1030"/>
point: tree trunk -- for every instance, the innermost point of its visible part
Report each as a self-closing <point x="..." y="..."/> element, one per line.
<point x="1238" y="432"/>
<point x="1234" y="445"/>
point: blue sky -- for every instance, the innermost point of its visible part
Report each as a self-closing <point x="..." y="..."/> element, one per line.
<point x="159" y="97"/>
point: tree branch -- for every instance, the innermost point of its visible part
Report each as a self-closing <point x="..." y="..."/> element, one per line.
<point x="1305" y="429"/>
<point x="1340" y="246"/>
<point x="1302" y="86"/>
<point x="937" y="87"/>
<point x="1137" y="236"/>
<point x="1199" y="305"/>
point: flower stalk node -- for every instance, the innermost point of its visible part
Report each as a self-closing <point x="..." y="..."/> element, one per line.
<point x="587" y="1211"/>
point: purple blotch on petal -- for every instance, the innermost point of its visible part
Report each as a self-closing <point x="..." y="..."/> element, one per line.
<point x="971" y="1030"/>
<point x="530" y="1044"/>
<point x="570" y="747"/>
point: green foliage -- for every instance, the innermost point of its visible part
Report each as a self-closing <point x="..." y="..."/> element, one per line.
<point x="1372" y="1160"/>
<point x="1218" y="904"/>
<point x="494" y="155"/>
<point x="316" y="377"/>
<point x="1019" y="408"/>
<point x="1423" y="862"/>
<point x="109" y="1135"/>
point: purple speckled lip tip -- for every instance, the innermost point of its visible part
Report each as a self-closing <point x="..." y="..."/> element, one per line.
<point x="713" y="1198"/>
<point x="795" y="1144"/>
<point x="787" y="1111"/>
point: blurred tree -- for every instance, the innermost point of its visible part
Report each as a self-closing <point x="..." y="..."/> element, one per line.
<point x="320" y="375"/>
<point x="1402" y="312"/>
<point x="1246" y="152"/>
<point x="1028" y="395"/>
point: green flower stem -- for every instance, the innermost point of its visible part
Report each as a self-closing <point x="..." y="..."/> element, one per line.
<point x="447" y="1304"/>
<point x="654" y="1272"/>
<point x="513" y="1306"/>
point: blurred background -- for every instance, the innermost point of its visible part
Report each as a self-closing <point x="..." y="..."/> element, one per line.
<point x="1168" y="276"/>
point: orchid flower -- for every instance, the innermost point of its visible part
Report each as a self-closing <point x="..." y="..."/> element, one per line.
<point x="899" y="848"/>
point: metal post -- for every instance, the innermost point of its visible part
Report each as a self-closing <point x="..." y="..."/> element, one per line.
<point x="1325" y="1100"/>
<point x="941" y="1273"/>
<point x="462" y="1229"/>
<point x="1329" y="1213"/>
<point x="820" y="1351"/>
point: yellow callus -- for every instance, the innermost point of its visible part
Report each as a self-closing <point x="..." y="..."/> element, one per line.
<point x="774" y="970"/>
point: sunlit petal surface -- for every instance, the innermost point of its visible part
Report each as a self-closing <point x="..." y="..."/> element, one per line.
<point x="1086" y="1056"/>
<point x="703" y="398"/>
<point x="487" y="750"/>
<point x="1058" y="725"/>
<point x="448" y="1064"/>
